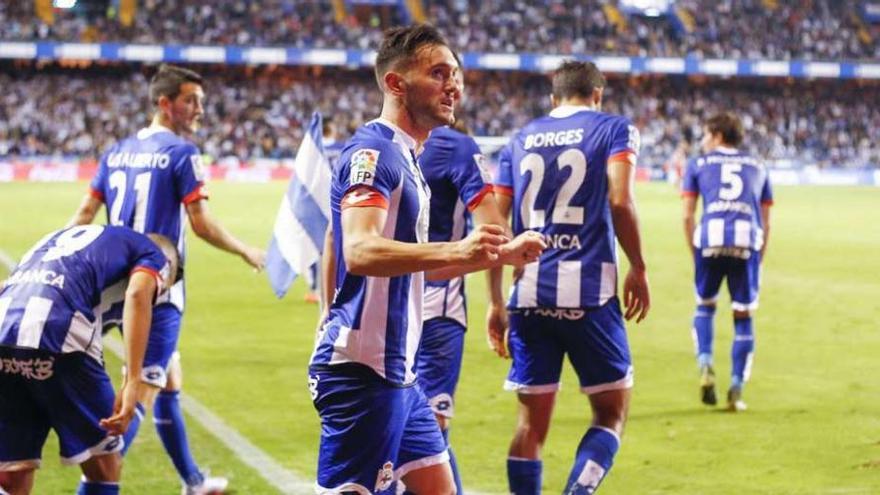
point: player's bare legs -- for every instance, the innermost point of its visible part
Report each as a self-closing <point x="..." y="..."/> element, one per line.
<point x="19" y="482"/>
<point x="610" y="409"/>
<point x="535" y="411"/>
<point x="524" y="456"/>
<point x="103" y="468"/>
<point x="430" y="480"/>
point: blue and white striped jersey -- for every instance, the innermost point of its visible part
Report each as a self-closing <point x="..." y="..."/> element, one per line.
<point x="733" y="185"/>
<point x="377" y="321"/>
<point x="55" y="299"/>
<point x="556" y="170"/>
<point x="455" y="171"/>
<point x="145" y="181"/>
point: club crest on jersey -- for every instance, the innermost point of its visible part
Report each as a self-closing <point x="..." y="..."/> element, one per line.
<point x="363" y="166"/>
<point x="483" y="167"/>
<point x="385" y="477"/>
<point x="198" y="167"/>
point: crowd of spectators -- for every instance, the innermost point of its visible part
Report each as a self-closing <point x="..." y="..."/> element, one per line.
<point x="260" y="113"/>
<point x="809" y="29"/>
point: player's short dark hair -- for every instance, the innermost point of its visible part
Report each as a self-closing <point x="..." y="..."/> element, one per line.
<point x="728" y="125"/>
<point x="401" y="44"/>
<point x="576" y="79"/>
<point x="168" y="79"/>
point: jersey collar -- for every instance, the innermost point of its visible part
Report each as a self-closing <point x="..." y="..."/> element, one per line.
<point x="146" y="132"/>
<point x="564" y="111"/>
<point x="726" y="150"/>
<point x="400" y="137"/>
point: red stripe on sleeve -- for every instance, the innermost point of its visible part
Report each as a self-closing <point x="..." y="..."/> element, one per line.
<point x="363" y="197"/>
<point x="623" y="156"/>
<point x="507" y="191"/>
<point x="768" y="202"/>
<point x="689" y="194"/>
<point x="150" y="271"/>
<point x="479" y="197"/>
<point x="96" y="194"/>
<point x="198" y="193"/>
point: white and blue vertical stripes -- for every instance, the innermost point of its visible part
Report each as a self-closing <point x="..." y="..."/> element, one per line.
<point x="302" y="220"/>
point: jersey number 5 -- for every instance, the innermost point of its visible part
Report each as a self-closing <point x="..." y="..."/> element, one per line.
<point x="531" y="215"/>
<point x="732" y="183"/>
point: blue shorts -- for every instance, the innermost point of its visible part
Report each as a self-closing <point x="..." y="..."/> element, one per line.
<point x="594" y="339"/>
<point x="438" y="363"/>
<point x="68" y="393"/>
<point x="372" y="432"/>
<point x="743" y="280"/>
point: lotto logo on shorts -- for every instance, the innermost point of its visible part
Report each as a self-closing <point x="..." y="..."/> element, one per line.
<point x="363" y="166"/>
<point x="386" y="476"/>
<point x="32" y="369"/>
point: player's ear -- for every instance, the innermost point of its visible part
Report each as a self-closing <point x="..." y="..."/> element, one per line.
<point x="554" y="102"/>
<point x="395" y="83"/>
<point x="163" y="105"/>
<point x="597" y="97"/>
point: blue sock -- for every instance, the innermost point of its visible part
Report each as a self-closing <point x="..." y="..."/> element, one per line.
<point x="743" y="347"/>
<point x="131" y="432"/>
<point x="703" y="322"/>
<point x="172" y="431"/>
<point x="524" y="476"/>
<point x="593" y="460"/>
<point x="97" y="488"/>
<point x="452" y="463"/>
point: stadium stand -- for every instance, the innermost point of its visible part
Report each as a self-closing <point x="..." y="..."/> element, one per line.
<point x="259" y="113"/>
<point x="813" y="29"/>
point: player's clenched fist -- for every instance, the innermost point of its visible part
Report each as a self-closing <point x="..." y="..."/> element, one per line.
<point x="523" y="249"/>
<point x="483" y="244"/>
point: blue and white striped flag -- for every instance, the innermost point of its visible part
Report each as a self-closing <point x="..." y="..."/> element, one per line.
<point x="298" y="236"/>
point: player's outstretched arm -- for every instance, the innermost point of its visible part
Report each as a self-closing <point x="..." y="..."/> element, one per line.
<point x="86" y="212"/>
<point x="208" y="228"/>
<point x="137" y="315"/>
<point x="368" y="253"/>
<point x="621" y="180"/>
<point x="497" y="323"/>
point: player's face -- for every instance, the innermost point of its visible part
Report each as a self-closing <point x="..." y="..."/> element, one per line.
<point x="433" y="87"/>
<point x="187" y="110"/>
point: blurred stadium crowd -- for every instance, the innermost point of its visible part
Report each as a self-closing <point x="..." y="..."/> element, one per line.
<point x="808" y="29"/>
<point x="259" y="112"/>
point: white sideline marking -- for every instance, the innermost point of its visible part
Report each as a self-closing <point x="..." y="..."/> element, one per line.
<point x="7" y="261"/>
<point x="275" y="474"/>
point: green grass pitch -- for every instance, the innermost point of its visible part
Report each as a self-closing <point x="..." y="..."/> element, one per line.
<point x="813" y="426"/>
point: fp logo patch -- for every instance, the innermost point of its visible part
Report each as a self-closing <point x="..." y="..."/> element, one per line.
<point x="363" y="166"/>
<point x="385" y="477"/>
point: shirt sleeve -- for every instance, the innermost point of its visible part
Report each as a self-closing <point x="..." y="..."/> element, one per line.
<point x="98" y="186"/>
<point x="470" y="174"/>
<point x="149" y="258"/>
<point x="189" y="174"/>
<point x="767" y="190"/>
<point x="689" y="184"/>
<point x="369" y="175"/>
<point x="625" y="140"/>
<point x="504" y="172"/>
